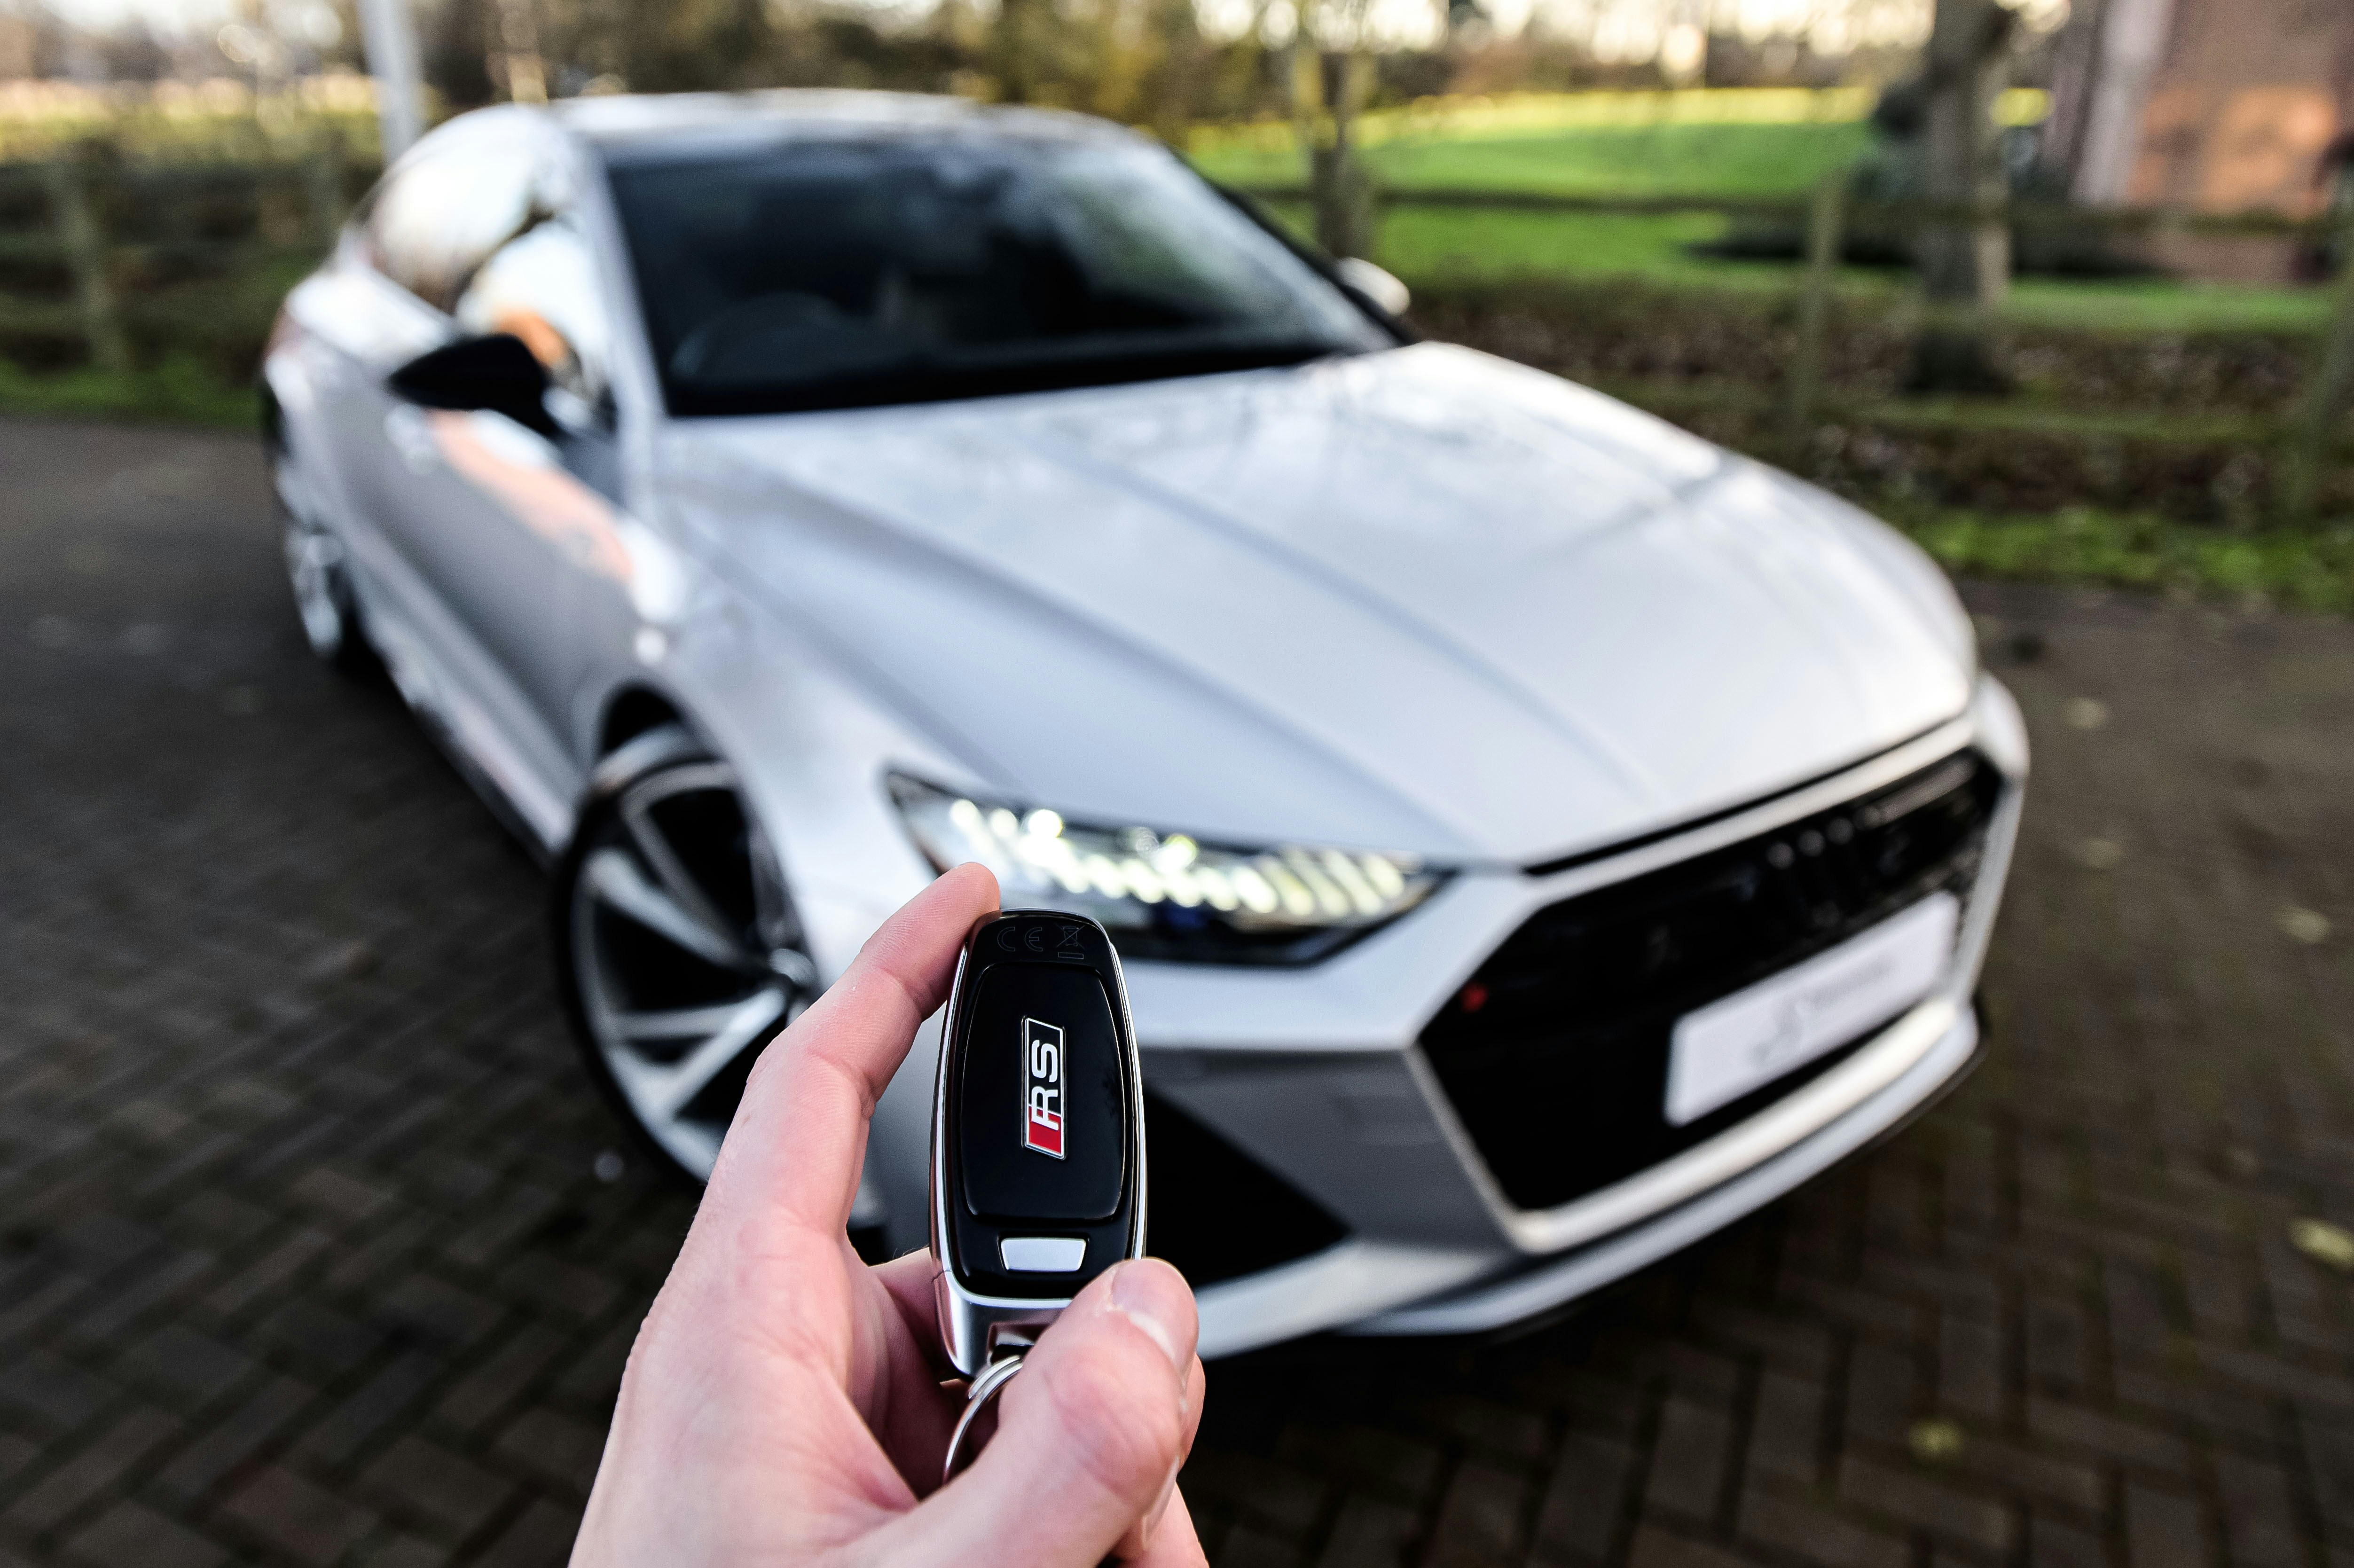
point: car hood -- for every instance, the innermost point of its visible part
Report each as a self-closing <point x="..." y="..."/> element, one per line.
<point x="1421" y="599"/>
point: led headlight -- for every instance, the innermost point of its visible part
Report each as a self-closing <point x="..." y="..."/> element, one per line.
<point x="1166" y="896"/>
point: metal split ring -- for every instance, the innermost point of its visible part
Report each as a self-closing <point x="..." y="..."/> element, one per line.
<point x="985" y="1388"/>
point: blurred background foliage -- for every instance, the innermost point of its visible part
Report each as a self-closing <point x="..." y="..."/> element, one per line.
<point x="2139" y="426"/>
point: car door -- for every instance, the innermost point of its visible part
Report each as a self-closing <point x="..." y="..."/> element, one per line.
<point x="532" y="515"/>
<point x="486" y="512"/>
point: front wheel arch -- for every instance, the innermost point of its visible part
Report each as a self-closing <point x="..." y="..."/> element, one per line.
<point x="679" y="955"/>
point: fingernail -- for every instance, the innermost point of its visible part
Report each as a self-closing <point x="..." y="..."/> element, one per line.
<point x="1152" y="1520"/>
<point x="1167" y="1490"/>
<point x="1155" y="1298"/>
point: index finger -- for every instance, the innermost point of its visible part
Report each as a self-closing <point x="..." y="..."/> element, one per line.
<point x="800" y="1130"/>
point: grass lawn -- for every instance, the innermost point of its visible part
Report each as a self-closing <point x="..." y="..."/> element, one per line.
<point x="2301" y="570"/>
<point x="1608" y="160"/>
<point x="179" y="391"/>
<point x="1441" y="246"/>
<point x="1703" y="160"/>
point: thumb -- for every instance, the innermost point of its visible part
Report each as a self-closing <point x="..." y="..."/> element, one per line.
<point x="1089" y="1441"/>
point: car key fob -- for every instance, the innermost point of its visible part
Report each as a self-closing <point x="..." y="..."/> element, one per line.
<point x="1038" y="1179"/>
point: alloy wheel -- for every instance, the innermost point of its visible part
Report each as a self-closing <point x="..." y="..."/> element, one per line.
<point x="320" y="575"/>
<point x="686" y="955"/>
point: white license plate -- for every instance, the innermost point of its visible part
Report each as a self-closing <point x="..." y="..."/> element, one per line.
<point x="1750" y="1038"/>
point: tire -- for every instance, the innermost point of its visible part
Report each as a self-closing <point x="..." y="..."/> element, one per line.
<point x="317" y="571"/>
<point x="678" y="953"/>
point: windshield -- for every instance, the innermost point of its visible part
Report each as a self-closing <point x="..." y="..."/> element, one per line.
<point x="844" y="274"/>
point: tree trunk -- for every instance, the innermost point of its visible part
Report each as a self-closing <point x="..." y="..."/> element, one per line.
<point x="1016" y="46"/>
<point x="1336" y="179"/>
<point x="1965" y="264"/>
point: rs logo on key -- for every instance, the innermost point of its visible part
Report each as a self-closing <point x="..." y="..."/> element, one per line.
<point x="1041" y="1095"/>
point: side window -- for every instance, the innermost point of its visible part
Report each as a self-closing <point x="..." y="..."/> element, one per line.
<point x="432" y="224"/>
<point x="542" y="287"/>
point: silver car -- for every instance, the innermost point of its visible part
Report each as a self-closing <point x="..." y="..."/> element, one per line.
<point x="1535" y="836"/>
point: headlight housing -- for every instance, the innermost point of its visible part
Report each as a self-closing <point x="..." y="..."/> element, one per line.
<point x="1165" y="895"/>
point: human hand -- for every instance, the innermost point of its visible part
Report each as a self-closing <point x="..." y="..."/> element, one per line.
<point x="784" y="1402"/>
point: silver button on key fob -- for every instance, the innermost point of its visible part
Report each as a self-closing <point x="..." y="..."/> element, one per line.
<point x="1037" y="1140"/>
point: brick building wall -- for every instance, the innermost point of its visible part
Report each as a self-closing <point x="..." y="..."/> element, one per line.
<point x="2245" y="110"/>
<point x="2249" y="95"/>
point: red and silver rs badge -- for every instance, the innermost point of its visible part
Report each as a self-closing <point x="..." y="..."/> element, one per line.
<point x="1041" y="1091"/>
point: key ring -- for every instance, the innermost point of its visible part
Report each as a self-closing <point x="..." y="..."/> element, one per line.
<point x="985" y="1388"/>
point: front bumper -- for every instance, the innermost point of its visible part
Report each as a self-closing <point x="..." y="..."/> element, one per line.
<point x="1318" y="1079"/>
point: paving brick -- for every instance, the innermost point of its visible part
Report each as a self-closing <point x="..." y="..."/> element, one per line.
<point x="1483" y="1518"/>
<point x="1286" y="1500"/>
<point x="88" y="1474"/>
<point x="2058" y="1351"/>
<point x="2032" y="1473"/>
<point x="1969" y="1367"/>
<point x="1244" y="1547"/>
<point x="437" y="1311"/>
<point x="319" y="1341"/>
<point x="383" y="1399"/>
<point x="189" y="1368"/>
<point x="420" y="1479"/>
<point x="1370" y="1533"/>
<point x="1656" y="1547"/>
<point x="1883" y="1393"/>
<point x="168" y="1280"/>
<point x="2055" y="1543"/>
<point x="553" y="1447"/>
<point x="129" y="1533"/>
<point x="2260" y="1510"/>
<point x="540" y="1536"/>
<point x="403" y="1552"/>
<point x="230" y="1441"/>
<point x="337" y="1197"/>
<point x="56" y="1394"/>
<point x="2106" y="1435"/>
<point x="1687" y="1464"/>
<point x="1785" y="1429"/>
<point x="1403" y="1464"/>
<point x="1586" y="1504"/>
<point x="1928" y="1503"/>
<point x="1805" y="1529"/>
<point x="2164" y="1530"/>
<point x="268" y="1275"/>
<point x="298" y="1518"/>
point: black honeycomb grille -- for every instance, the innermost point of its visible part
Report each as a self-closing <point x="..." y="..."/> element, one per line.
<point x="1556" y="1053"/>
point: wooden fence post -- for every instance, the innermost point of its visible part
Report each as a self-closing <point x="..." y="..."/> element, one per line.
<point x="85" y="248"/>
<point x="1826" y="234"/>
<point x="322" y="177"/>
<point x="2324" y="400"/>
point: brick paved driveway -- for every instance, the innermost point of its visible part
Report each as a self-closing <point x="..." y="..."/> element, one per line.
<point x="305" y="1257"/>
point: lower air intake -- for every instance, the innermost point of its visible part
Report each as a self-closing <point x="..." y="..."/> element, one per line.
<point x="1214" y="1211"/>
<point x="1556" y="1053"/>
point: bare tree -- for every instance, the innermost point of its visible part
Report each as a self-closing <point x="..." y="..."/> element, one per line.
<point x="1964" y="263"/>
<point x="1331" y="74"/>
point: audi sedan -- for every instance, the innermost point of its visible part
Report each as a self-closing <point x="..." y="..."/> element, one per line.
<point x="1535" y="837"/>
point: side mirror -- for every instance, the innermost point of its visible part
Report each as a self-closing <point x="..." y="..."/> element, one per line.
<point x="492" y="374"/>
<point x="1377" y="284"/>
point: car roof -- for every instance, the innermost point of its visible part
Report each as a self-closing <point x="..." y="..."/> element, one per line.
<point x="653" y="122"/>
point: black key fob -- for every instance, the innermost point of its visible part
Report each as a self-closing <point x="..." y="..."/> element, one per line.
<point x="1037" y="1132"/>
